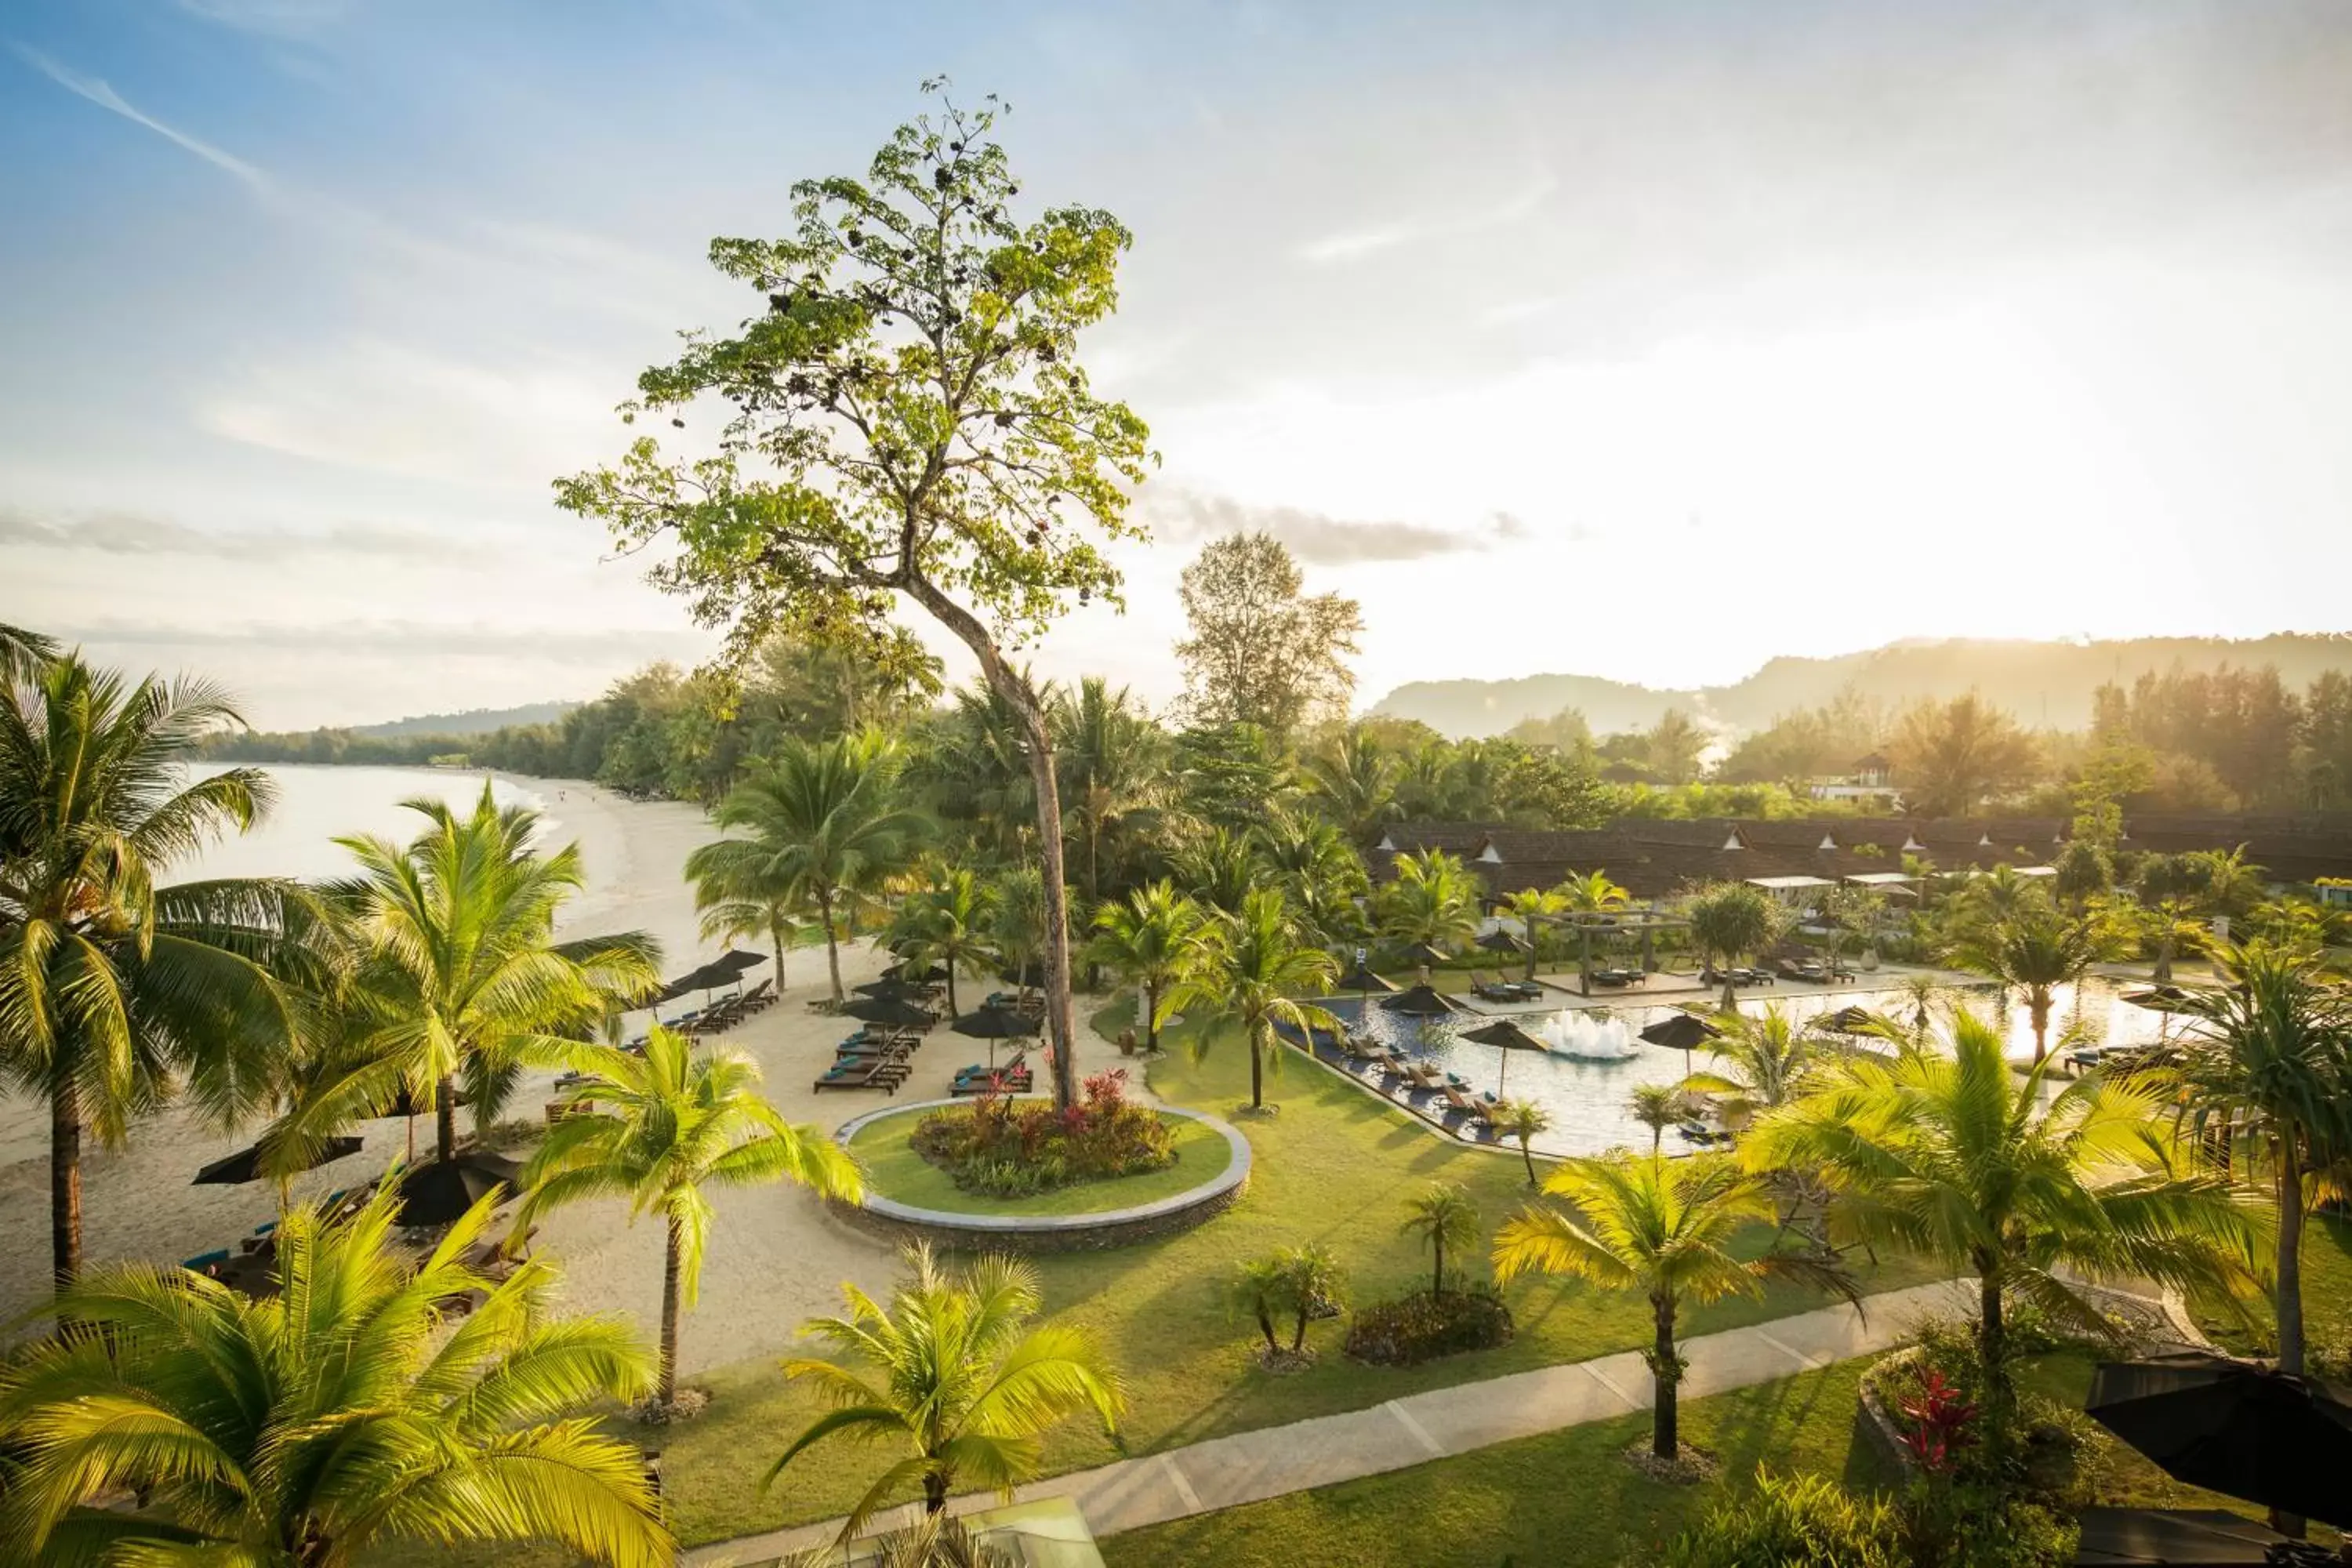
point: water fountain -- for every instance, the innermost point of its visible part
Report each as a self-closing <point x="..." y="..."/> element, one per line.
<point x="1588" y="1038"/>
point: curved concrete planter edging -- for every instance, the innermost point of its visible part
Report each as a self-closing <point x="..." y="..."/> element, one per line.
<point x="1050" y="1232"/>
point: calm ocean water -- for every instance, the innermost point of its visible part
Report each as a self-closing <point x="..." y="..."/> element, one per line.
<point x="317" y="804"/>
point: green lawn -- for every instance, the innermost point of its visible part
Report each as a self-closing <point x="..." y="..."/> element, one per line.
<point x="2326" y="1294"/>
<point x="1566" y="1499"/>
<point x="895" y="1171"/>
<point x="1335" y="1166"/>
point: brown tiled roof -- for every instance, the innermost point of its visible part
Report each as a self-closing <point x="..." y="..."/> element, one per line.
<point x="1704" y="833"/>
<point x="1800" y="834"/>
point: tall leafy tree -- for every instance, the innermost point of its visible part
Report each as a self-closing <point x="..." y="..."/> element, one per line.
<point x="1664" y="1227"/>
<point x="1432" y="899"/>
<point x="824" y="823"/>
<point x="1950" y="757"/>
<point x="948" y="921"/>
<point x="113" y="982"/>
<point x="2268" y="1059"/>
<point x="1151" y="939"/>
<point x="1259" y="649"/>
<point x="1218" y="867"/>
<point x="661" y="1131"/>
<point x="459" y="970"/>
<point x="955" y="1371"/>
<point x="1957" y="1158"/>
<point x="905" y="418"/>
<point x="1318" y="869"/>
<point x="1352" y="780"/>
<point x="341" y="1415"/>
<point x="1253" y="970"/>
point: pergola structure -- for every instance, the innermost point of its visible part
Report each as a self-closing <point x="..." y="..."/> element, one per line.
<point x="1647" y="921"/>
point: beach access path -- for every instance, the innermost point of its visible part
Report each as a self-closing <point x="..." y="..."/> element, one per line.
<point x="1273" y="1461"/>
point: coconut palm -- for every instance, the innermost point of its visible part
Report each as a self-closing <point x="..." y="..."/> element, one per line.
<point x="1354" y="782"/>
<point x="934" y="1540"/>
<point x="1432" y="901"/>
<point x="1218" y="868"/>
<point x="663" y="1129"/>
<point x="1592" y="893"/>
<point x="2234" y="885"/>
<point x="1441" y="1216"/>
<point x="1150" y="939"/>
<point x="948" y="921"/>
<point x="1732" y="921"/>
<point x="977" y="766"/>
<point x="2268" y="1059"/>
<point x="825" y="824"/>
<point x="23" y="654"/>
<point x="955" y="1372"/>
<point x="1664" y="1228"/>
<point x="1253" y="968"/>
<point x="459" y="971"/>
<point x="1311" y="1280"/>
<point x="1766" y="1060"/>
<point x="113" y="988"/>
<point x="1534" y="908"/>
<point x="1017" y="922"/>
<point x="1522" y="1120"/>
<point x="341" y="1416"/>
<point x="2034" y="949"/>
<point x="2172" y="889"/>
<point x="779" y="917"/>
<point x="1316" y="867"/>
<point x="1113" y="772"/>
<point x="1957" y="1158"/>
<point x="1658" y="1106"/>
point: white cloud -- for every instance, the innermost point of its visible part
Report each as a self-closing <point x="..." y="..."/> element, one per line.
<point x="97" y="91"/>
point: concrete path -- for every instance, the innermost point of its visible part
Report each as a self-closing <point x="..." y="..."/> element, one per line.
<point x="1249" y="1466"/>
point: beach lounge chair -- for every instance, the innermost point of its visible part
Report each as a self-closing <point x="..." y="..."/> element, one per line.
<point x="1421" y="1075"/>
<point x="882" y="1075"/>
<point x="1455" y="1099"/>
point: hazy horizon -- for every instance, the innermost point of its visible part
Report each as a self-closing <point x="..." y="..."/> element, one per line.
<point x="1641" y="342"/>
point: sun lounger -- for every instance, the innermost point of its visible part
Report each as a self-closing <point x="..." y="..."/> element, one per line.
<point x="1009" y="1081"/>
<point x="882" y="1075"/>
<point x="1456" y="1100"/>
<point x="1421" y="1075"/>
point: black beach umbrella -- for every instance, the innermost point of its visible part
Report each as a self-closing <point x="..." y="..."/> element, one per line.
<point x="1500" y="941"/>
<point x="1362" y="980"/>
<point x="896" y="1012"/>
<point x="1511" y="1038"/>
<point x="1417" y="1002"/>
<point x="887" y="986"/>
<point x="1847" y="1021"/>
<point x="736" y="961"/>
<point x="404" y="1105"/>
<point x="1683" y="1032"/>
<point x="1421" y="953"/>
<point x="994" y="1024"/>
<point x="927" y="975"/>
<point x="441" y="1191"/>
<point x="2234" y="1427"/>
<point x="243" y="1166"/>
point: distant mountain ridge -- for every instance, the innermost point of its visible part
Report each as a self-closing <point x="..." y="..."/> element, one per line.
<point x="2043" y="683"/>
<point x="473" y="721"/>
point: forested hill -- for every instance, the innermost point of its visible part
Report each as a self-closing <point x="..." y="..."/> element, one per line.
<point x="2041" y="682"/>
<point x="473" y="721"/>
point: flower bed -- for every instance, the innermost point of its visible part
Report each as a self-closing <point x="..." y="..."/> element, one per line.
<point x="1421" y="1326"/>
<point x="1003" y="1147"/>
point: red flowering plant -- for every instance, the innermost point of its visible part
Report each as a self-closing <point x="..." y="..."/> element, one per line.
<point x="1008" y="1148"/>
<point x="1940" y="1420"/>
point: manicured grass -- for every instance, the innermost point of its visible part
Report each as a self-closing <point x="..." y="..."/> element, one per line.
<point x="2326" y="1294"/>
<point x="1568" y="1498"/>
<point x="895" y="1171"/>
<point x="1335" y="1167"/>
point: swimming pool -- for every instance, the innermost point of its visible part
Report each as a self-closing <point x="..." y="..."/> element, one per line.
<point x="1588" y="1099"/>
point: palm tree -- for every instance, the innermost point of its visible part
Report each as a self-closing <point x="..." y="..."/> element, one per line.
<point x="1017" y="932"/>
<point x="1664" y="1228"/>
<point x="961" y="1377"/>
<point x="1354" y="781"/>
<point x="1767" y="1061"/>
<point x="1957" y="1158"/>
<point x="1252" y="967"/>
<point x="1522" y="1120"/>
<point x="1432" y="901"/>
<point x="23" y="654"/>
<point x="459" y="971"/>
<point x="824" y="823"/>
<point x="949" y="922"/>
<point x="306" y="1428"/>
<point x="2269" y="1060"/>
<point x="2172" y="888"/>
<point x="1658" y="1106"/>
<point x="662" y="1131"/>
<point x="978" y="767"/>
<point x="112" y="986"/>
<point x="1441" y="1216"/>
<point x="1113" y="774"/>
<point x="778" y="918"/>
<point x="1151" y="940"/>
<point x="2234" y="885"/>
<point x="1592" y="893"/>
<point x="1315" y="865"/>
<point x="2035" y="948"/>
<point x="1261" y="1290"/>
<point x="1311" y="1278"/>
<point x="1731" y="920"/>
<point x="1218" y="868"/>
<point x="934" y="1540"/>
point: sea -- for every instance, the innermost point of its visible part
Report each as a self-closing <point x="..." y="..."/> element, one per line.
<point x="316" y="804"/>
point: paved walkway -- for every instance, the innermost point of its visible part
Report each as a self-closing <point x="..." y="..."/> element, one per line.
<point x="1249" y="1466"/>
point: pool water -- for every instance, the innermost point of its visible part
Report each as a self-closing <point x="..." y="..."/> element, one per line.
<point x="1588" y="1099"/>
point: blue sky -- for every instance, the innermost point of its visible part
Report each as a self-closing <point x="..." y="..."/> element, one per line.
<point x="1540" y="329"/>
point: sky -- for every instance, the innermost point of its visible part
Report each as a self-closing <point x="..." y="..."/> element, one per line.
<point x="1647" y="339"/>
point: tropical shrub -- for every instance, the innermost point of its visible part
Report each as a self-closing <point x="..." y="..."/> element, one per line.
<point x="1014" y="1148"/>
<point x="1793" y="1521"/>
<point x="1424" y="1325"/>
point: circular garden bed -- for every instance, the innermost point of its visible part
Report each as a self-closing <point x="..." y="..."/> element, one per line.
<point x="908" y="1196"/>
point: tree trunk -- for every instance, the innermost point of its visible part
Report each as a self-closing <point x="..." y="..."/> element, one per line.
<point x="445" y="1120"/>
<point x="1299" y="1328"/>
<point x="1258" y="1070"/>
<point x="1437" y="1247"/>
<point x="777" y="937"/>
<point x="2038" y="1008"/>
<point x="1150" y="1016"/>
<point x="1666" y="1371"/>
<point x="831" y="944"/>
<point x="665" y="1384"/>
<point x="1060" y="1021"/>
<point x="1992" y="1334"/>
<point x="2163" y="960"/>
<point x="953" y="1010"/>
<point x="935" y="1493"/>
<point x="1528" y="1153"/>
<point x="2290" y="1287"/>
<point x="65" y="1184"/>
<point x="1266" y="1327"/>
